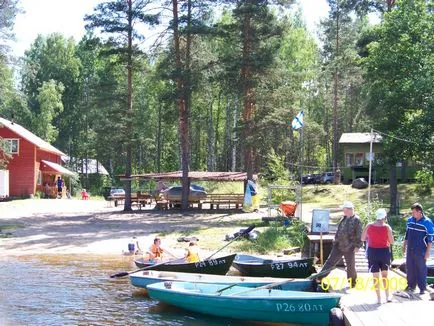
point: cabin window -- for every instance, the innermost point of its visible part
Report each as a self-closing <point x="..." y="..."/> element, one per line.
<point x="11" y="146"/>
<point x="358" y="159"/>
<point x="354" y="159"/>
<point x="349" y="161"/>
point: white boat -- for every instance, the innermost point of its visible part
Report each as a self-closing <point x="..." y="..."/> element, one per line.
<point x="144" y="278"/>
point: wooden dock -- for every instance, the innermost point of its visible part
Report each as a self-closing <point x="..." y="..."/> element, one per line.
<point x="360" y="307"/>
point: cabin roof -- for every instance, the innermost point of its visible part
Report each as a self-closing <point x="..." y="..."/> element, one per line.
<point x="29" y="136"/>
<point x="359" y="138"/>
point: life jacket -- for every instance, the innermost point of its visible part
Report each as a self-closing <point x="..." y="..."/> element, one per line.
<point x="192" y="255"/>
<point x="156" y="251"/>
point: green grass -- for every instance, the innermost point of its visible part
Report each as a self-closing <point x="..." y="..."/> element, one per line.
<point x="275" y="238"/>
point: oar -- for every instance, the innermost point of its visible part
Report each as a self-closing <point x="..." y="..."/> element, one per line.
<point x="272" y="285"/>
<point x="267" y="286"/>
<point x="246" y="231"/>
<point x="323" y="272"/>
<point x="264" y="286"/>
<point x="122" y="274"/>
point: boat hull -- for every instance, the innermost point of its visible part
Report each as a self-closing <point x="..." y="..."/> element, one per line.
<point x="429" y="265"/>
<point x="248" y="304"/>
<point x="145" y="278"/>
<point x="255" y="266"/>
<point x="217" y="266"/>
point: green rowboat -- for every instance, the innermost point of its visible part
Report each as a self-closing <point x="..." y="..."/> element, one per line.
<point x="259" y="304"/>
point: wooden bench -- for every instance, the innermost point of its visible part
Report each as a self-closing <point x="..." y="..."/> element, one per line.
<point x="172" y="203"/>
<point x="224" y="199"/>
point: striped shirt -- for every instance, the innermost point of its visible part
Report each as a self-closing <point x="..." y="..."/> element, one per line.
<point x="419" y="233"/>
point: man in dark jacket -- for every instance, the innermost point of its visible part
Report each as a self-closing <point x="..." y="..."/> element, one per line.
<point x="347" y="242"/>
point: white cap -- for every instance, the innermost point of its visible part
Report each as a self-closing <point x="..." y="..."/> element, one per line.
<point x="381" y="213"/>
<point x="348" y="204"/>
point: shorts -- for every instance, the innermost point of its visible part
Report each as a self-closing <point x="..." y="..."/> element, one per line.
<point x="378" y="259"/>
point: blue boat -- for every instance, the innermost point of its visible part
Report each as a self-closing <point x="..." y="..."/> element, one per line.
<point x="144" y="278"/>
<point x="259" y="304"/>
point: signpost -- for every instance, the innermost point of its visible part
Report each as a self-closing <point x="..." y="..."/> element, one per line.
<point x="320" y="224"/>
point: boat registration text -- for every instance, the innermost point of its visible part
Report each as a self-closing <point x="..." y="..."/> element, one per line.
<point x="280" y="266"/>
<point x="301" y="307"/>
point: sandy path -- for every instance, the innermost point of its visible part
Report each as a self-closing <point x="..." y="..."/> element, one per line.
<point x="78" y="227"/>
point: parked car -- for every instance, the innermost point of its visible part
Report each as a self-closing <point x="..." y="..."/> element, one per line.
<point x="312" y="178"/>
<point x="327" y="177"/>
<point x="117" y="192"/>
<point x="316" y="178"/>
<point x="307" y="179"/>
<point x="175" y="194"/>
<point x="113" y="192"/>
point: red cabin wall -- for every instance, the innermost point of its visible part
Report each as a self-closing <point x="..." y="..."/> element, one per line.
<point x="24" y="166"/>
<point x="22" y="174"/>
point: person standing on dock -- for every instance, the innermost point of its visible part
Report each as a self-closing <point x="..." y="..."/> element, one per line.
<point x="379" y="236"/>
<point x="347" y="242"/>
<point x="417" y="247"/>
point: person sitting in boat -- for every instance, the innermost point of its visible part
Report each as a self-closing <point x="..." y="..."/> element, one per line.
<point x="192" y="253"/>
<point x="155" y="252"/>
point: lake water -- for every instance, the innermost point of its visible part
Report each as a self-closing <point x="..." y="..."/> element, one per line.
<point x="72" y="290"/>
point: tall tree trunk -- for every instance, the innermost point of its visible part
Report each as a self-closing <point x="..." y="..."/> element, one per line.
<point x="335" y="100"/>
<point x="225" y="162"/>
<point x="217" y="128"/>
<point x="159" y="133"/>
<point x="393" y="186"/>
<point x="248" y="95"/>
<point x="128" y="168"/>
<point x="234" y="136"/>
<point x="182" y="105"/>
<point x="210" y="139"/>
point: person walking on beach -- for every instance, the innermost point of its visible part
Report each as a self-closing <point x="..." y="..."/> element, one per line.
<point x="347" y="242"/>
<point x="379" y="236"/>
<point x="417" y="247"/>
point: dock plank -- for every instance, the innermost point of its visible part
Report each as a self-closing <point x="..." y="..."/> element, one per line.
<point x="360" y="306"/>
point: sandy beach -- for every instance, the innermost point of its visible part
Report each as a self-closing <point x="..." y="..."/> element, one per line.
<point x="49" y="226"/>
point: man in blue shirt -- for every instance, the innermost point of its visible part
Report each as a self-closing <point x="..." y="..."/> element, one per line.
<point x="417" y="245"/>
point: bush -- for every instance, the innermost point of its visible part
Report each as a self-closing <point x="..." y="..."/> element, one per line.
<point x="425" y="180"/>
<point x="278" y="237"/>
<point x="366" y="213"/>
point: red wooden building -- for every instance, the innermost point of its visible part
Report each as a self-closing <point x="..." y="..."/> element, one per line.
<point x="34" y="163"/>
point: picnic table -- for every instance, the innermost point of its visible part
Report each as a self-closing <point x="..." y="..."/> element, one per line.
<point x="137" y="199"/>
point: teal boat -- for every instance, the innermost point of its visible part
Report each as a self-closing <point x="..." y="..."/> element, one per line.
<point x="260" y="304"/>
<point x="144" y="278"/>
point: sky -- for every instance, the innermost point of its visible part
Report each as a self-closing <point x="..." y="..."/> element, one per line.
<point x="66" y="17"/>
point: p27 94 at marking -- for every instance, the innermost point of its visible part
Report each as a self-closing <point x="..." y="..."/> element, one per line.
<point x="287" y="265"/>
